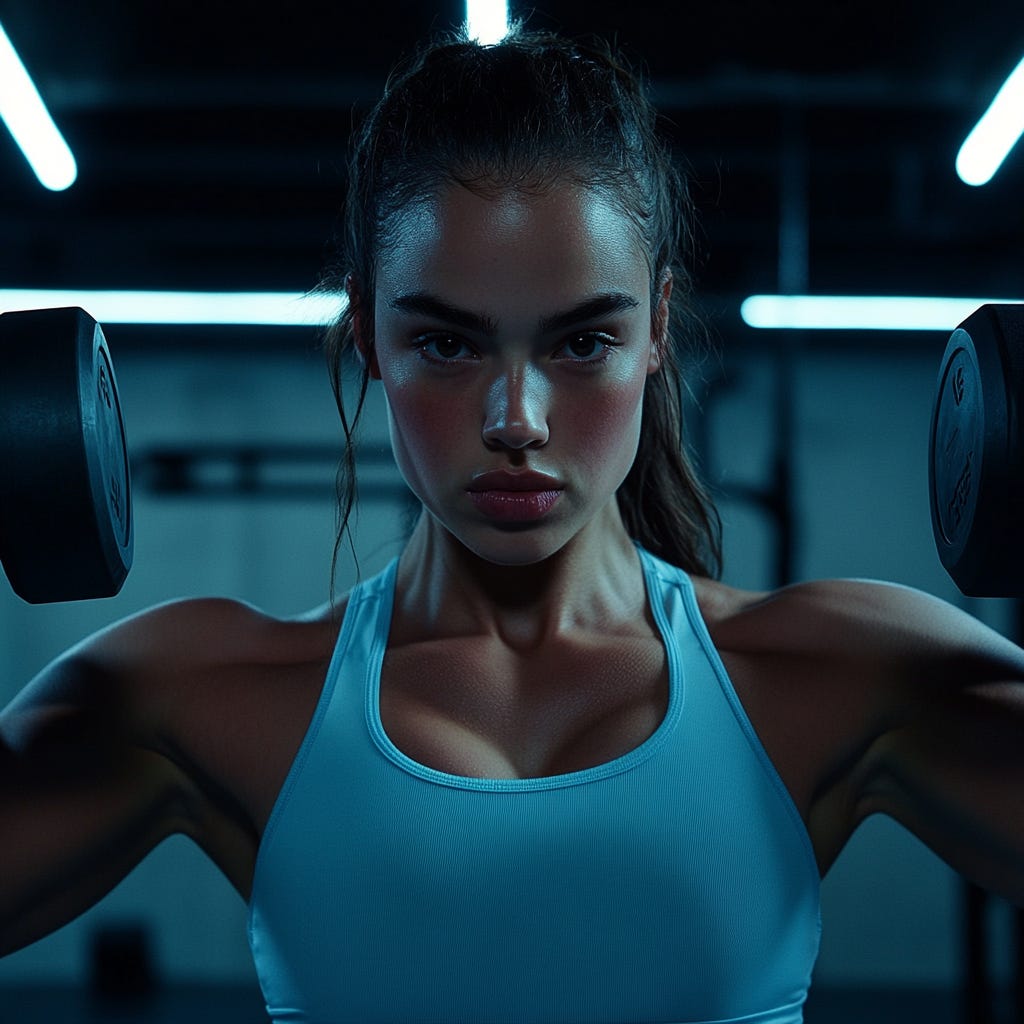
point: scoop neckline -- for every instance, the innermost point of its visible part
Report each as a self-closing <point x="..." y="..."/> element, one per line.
<point x="622" y="763"/>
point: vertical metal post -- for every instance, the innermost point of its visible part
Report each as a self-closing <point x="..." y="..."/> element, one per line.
<point x="977" y="995"/>
<point x="794" y="274"/>
<point x="1018" y="959"/>
<point x="794" y="229"/>
<point x="1018" y="967"/>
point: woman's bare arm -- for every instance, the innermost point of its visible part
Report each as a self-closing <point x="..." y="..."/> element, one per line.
<point x="948" y="760"/>
<point x="953" y="771"/>
<point x="86" y="788"/>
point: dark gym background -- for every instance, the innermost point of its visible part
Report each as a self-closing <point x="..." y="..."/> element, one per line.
<point x="210" y="141"/>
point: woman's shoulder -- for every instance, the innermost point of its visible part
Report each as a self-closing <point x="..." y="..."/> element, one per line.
<point x="211" y="696"/>
<point x="224" y="687"/>
<point x="900" y="632"/>
<point x="173" y="669"/>
<point x="211" y="630"/>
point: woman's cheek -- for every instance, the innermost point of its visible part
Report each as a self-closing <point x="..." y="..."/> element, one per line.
<point x="610" y="424"/>
<point x="425" y="426"/>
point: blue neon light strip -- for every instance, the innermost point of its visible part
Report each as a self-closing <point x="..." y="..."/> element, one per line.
<point x="293" y="309"/>
<point x="859" y="312"/>
<point x="29" y="122"/>
<point x="284" y="309"/>
<point x="995" y="134"/>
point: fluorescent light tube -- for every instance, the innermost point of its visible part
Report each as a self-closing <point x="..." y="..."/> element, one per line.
<point x="285" y="309"/>
<point x="291" y="309"/>
<point x="995" y="134"/>
<point x="23" y="111"/>
<point x="858" y="312"/>
<point x="487" y="21"/>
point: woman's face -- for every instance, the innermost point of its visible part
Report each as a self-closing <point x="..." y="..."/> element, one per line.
<point x="514" y="332"/>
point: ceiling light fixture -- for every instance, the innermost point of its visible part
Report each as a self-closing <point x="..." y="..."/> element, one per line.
<point x="23" y="111"/>
<point x="995" y="134"/>
<point x="273" y="309"/>
<point x="486" y="21"/>
<point x="859" y="312"/>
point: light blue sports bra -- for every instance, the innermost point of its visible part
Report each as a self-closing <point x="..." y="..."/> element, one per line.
<point x="674" y="884"/>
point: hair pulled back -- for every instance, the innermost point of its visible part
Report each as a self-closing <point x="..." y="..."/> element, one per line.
<point x="531" y="110"/>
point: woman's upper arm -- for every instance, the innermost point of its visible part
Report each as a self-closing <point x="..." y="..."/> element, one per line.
<point x="932" y="702"/>
<point x="949" y="765"/>
<point x="86" y="788"/>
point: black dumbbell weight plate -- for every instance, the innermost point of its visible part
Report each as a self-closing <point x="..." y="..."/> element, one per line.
<point x="974" y="454"/>
<point x="65" y="488"/>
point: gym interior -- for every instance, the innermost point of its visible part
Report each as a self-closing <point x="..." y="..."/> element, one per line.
<point x="821" y="141"/>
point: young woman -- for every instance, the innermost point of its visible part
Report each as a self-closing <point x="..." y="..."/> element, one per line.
<point x="543" y="767"/>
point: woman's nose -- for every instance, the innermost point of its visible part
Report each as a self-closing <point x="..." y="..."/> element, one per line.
<point x="516" y="410"/>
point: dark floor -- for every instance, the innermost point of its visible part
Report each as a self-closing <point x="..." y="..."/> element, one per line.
<point x="218" y="1005"/>
<point x="170" y="1005"/>
<point x="899" y="1006"/>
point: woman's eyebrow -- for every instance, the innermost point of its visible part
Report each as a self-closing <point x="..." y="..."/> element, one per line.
<point x="590" y="309"/>
<point x="425" y="304"/>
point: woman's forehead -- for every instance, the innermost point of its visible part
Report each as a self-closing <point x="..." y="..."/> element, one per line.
<point x="566" y="233"/>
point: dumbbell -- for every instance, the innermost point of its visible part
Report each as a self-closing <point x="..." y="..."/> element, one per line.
<point x="976" y="454"/>
<point x="66" y="529"/>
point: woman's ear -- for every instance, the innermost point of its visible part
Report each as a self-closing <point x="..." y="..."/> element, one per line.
<point x="660" y="321"/>
<point x="364" y="345"/>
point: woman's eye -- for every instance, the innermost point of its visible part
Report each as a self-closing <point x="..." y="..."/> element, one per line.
<point x="590" y="349"/>
<point x="446" y="348"/>
<point x="583" y="345"/>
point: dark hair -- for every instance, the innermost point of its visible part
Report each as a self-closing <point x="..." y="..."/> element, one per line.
<point x="528" y="111"/>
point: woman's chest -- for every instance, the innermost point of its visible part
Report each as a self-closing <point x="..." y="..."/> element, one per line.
<point x="473" y="709"/>
<point x="470" y="709"/>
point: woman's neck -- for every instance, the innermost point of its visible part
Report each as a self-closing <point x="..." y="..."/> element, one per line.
<point x="592" y="584"/>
